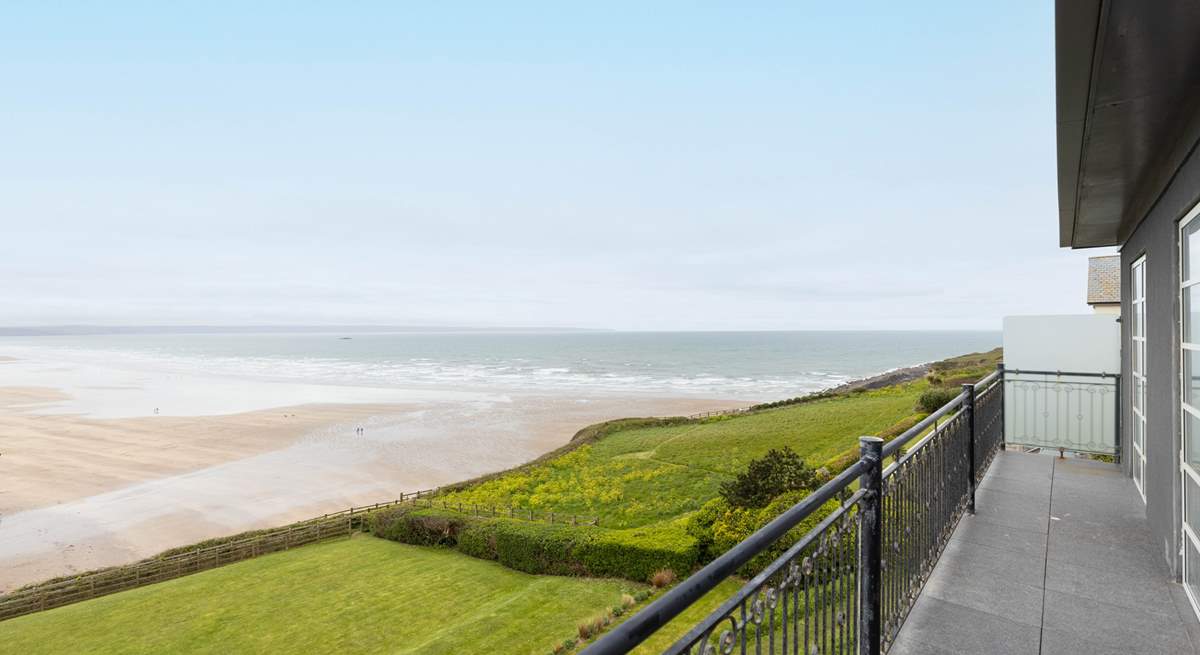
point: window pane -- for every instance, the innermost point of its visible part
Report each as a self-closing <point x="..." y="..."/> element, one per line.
<point x="1139" y="395"/>
<point x="1138" y="281"/>
<point x="1192" y="566"/>
<point x="1191" y="378"/>
<point x="1138" y="429"/>
<point x="1191" y="249"/>
<point x="1191" y="437"/>
<point x="1191" y="314"/>
<point x="1139" y="321"/>
<point x="1191" y="502"/>
<point x="1136" y="349"/>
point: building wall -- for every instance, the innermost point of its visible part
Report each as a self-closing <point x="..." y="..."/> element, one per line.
<point x="1107" y="309"/>
<point x="1157" y="238"/>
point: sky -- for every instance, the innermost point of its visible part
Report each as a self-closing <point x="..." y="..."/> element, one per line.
<point x="641" y="166"/>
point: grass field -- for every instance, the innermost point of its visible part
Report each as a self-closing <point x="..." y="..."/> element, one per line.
<point x="361" y="595"/>
<point x="642" y="476"/>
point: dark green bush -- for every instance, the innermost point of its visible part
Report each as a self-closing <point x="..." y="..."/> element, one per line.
<point x="543" y="548"/>
<point x="933" y="399"/>
<point x="636" y="553"/>
<point x="777" y="472"/>
<point x="719" y="526"/>
<point x="900" y="427"/>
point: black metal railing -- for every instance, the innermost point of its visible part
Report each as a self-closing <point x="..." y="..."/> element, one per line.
<point x="847" y="585"/>
<point x="926" y="491"/>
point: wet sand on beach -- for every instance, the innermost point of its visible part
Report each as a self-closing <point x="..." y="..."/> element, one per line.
<point x="78" y="493"/>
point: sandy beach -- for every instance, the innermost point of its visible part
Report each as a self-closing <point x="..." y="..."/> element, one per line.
<point x="79" y="492"/>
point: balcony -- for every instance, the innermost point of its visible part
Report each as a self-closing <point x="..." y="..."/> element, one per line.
<point x="966" y="534"/>
<point x="1056" y="559"/>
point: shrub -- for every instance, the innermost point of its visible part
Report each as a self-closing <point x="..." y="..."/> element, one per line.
<point x="718" y="526"/>
<point x="839" y="463"/>
<point x="636" y="553"/>
<point x="900" y="427"/>
<point x="933" y="399"/>
<point x="627" y="601"/>
<point x="542" y="548"/>
<point x="777" y="472"/>
<point x="662" y="578"/>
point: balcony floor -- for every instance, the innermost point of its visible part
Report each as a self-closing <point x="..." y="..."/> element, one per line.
<point x="1057" y="559"/>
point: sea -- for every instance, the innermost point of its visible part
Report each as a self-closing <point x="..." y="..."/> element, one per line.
<point x="750" y="366"/>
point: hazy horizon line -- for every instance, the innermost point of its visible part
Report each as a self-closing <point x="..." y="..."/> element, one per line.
<point x="84" y="329"/>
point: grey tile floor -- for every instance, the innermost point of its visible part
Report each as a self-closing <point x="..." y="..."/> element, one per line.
<point x="1057" y="560"/>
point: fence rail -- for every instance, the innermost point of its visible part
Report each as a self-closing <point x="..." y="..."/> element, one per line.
<point x="1067" y="410"/>
<point x="510" y="512"/>
<point x="722" y="412"/>
<point x="848" y="584"/>
<point x="92" y="584"/>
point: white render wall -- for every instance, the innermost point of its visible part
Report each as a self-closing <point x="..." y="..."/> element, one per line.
<point x="1088" y="343"/>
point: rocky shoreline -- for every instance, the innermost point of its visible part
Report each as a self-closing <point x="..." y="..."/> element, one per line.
<point x="885" y="379"/>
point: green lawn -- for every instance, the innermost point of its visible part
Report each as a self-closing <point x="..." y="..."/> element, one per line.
<point x="679" y="626"/>
<point x="360" y="595"/>
<point x="641" y="476"/>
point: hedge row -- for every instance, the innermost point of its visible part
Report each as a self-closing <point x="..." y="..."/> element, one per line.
<point x="633" y="554"/>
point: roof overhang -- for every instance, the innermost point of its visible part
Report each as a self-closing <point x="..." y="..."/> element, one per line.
<point x="1127" y="91"/>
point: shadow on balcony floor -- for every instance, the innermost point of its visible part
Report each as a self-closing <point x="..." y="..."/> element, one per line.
<point x="1056" y="560"/>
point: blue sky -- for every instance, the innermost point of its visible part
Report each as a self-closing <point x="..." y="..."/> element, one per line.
<point x="636" y="166"/>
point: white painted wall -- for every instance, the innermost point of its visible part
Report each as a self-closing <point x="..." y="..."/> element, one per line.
<point x="1088" y="343"/>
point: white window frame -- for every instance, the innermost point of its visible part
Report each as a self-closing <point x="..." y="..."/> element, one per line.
<point x="1186" y="472"/>
<point x="1137" y="345"/>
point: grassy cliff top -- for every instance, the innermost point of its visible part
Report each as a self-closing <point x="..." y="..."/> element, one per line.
<point x="635" y="472"/>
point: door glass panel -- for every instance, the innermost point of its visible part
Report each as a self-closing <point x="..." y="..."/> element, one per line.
<point x="1191" y="378"/>
<point x="1191" y="314"/>
<point x="1139" y="395"/>
<point x="1138" y="427"/>
<point x="1191" y="566"/>
<point x="1191" y="501"/>
<point x="1136" y="349"/>
<point x="1191" y="439"/>
<point x="1191" y="249"/>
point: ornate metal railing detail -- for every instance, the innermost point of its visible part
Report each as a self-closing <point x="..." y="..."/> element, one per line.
<point x="928" y="489"/>
<point x="847" y="585"/>
<point x="1072" y="411"/>
<point x="989" y="422"/>
<point x="803" y="602"/>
